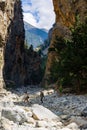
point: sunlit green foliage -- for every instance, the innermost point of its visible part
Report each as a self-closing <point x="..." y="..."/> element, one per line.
<point x="70" y="69"/>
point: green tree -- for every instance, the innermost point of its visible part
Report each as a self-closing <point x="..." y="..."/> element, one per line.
<point x="70" y="68"/>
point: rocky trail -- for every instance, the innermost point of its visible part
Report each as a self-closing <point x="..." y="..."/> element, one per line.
<point x="65" y="112"/>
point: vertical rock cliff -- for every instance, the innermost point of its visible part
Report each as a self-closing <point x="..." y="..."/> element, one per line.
<point x="12" y="34"/>
<point x="66" y="12"/>
<point x="21" y="66"/>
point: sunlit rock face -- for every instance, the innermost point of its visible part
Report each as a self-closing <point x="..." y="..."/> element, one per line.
<point x="12" y="35"/>
<point x="66" y="12"/>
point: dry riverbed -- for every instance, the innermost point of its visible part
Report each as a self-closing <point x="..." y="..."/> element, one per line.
<point x="65" y="112"/>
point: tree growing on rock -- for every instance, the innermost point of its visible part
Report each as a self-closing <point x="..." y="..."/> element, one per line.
<point x="70" y="67"/>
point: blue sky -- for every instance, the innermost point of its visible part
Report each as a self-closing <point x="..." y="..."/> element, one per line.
<point x="39" y="13"/>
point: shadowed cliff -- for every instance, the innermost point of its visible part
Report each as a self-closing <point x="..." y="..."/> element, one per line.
<point x="21" y="65"/>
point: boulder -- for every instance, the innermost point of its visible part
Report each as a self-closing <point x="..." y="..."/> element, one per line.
<point x="5" y="124"/>
<point x="41" y="113"/>
<point x="73" y="126"/>
<point x="78" y="120"/>
<point x="16" y="114"/>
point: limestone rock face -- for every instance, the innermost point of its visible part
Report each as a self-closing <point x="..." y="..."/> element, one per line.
<point x="66" y="11"/>
<point x="12" y="39"/>
<point x="19" y="65"/>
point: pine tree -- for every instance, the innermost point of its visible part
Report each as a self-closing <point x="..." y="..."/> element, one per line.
<point x="70" y="68"/>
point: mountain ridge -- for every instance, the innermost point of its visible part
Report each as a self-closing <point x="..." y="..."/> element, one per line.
<point x="34" y="35"/>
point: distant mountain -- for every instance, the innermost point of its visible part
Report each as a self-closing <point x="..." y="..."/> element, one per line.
<point x="34" y="36"/>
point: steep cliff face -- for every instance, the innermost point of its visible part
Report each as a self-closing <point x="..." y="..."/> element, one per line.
<point x="20" y="65"/>
<point x="12" y="33"/>
<point x="66" y="12"/>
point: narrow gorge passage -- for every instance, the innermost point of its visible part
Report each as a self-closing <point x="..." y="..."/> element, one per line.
<point x="23" y="66"/>
<point x="21" y="72"/>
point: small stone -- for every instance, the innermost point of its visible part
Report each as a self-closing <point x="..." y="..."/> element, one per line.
<point x="29" y="114"/>
<point x="64" y="117"/>
<point x="41" y="124"/>
<point x="84" y="112"/>
<point x="59" y="124"/>
<point x="45" y="124"/>
<point x="31" y="120"/>
<point x="83" y="127"/>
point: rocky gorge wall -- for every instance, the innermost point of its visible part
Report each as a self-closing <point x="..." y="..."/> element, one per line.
<point x="19" y="65"/>
<point x="66" y="12"/>
<point x="12" y="34"/>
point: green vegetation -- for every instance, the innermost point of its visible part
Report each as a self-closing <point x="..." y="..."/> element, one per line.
<point x="43" y="65"/>
<point x="42" y="47"/>
<point x="10" y="84"/>
<point x="26" y="45"/>
<point x="70" y="67"/>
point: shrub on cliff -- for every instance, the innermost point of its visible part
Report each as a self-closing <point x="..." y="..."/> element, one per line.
<point x="70" y="68"/>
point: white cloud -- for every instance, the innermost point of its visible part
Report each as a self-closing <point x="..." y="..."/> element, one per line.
<point x="39" y="13"/>
<point x="28" y="17"/>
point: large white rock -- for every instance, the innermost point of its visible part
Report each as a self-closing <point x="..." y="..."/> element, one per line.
<point x="73" y="126"/>
<point x="28" y="128"/>
<point x="16" y="114"/>
<point x="5" y="124"/>
<point x="42" y="113"/>
<point x="65" y="129"/>
<point x="78" y="120"/>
